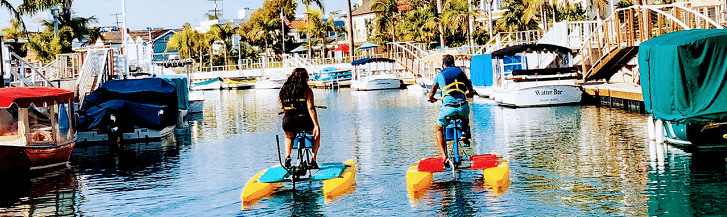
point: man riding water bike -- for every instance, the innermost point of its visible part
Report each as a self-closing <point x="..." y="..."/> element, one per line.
<point x="456" y="87"/>
<point x="296" y="100"/>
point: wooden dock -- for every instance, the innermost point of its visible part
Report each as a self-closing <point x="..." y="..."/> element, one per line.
<point x="626" y="96"/>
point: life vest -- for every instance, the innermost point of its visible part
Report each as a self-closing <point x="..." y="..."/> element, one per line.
<point x="454" y="86"/>
<point x="295" y="105"/>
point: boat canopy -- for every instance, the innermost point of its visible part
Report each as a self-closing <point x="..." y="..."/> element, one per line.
<point x="512" y="50"/>
<point x="684" y="75"/>
<point x="25" y="96"/>
<point x="147" y="102"/>
<point x="371" y="60"/>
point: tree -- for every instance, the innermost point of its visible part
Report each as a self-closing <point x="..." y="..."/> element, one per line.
<point x="45" y="45"/>
<point x="419" y="25"/>
<point x="186" y="42"/>
<point x="14" y="31"/>
<point x="387" y="19"/>
<point x="456" y="16"/>
<point x="601" y="7"/>
<point x="513" y="20"/>
<point x="223" y="33"/>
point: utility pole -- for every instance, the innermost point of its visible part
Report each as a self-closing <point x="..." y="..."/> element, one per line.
<point x="2" y="62"/>
<point x="117" y="19"/>
<point x="215" y="11"/>
<point x="350" y="30"/>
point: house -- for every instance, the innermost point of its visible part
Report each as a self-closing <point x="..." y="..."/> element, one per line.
<point x="361" y="18"/>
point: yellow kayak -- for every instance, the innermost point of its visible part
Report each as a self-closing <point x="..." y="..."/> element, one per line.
<point x="255" y="190"/>
<point x="335" y="186"/>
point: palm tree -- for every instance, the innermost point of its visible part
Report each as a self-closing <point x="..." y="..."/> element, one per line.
<point x="534" y="7"/>
<point x="223" y="33"/>
<point x="389" y="12"/>
<point x="601" y="7"/>
<point x="307" y="4"/>
<point x="456" y="16"/>
<point x="186" y="42"/>
<point x="14" y="31"/>
<point x="419" y="26"/>
<point x="442" y="42"/>
<point x="514" y="18"/>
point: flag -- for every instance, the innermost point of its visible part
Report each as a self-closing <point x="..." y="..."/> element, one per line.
<point x="284" y="19"/>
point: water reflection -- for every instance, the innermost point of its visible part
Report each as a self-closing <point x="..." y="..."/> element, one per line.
<point x="565" y="160"/>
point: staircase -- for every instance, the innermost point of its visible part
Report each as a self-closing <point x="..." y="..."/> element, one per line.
<point x="409" y="56"/>
<point x="36" y="77"/>
<point x="507" y="39"/>
<point x="615" y="41"/>
<point x="295" y="61"/>
<point x="92" y="72"/>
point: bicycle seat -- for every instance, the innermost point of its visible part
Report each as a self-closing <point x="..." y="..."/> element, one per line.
<point x="453" y="117"/>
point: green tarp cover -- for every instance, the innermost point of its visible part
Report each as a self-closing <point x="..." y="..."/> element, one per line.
<point x="683" y="75"/>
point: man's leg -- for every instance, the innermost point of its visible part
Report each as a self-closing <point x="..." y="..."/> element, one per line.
<point x="440" y="141"/>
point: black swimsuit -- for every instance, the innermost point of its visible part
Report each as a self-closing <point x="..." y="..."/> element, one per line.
<point x="296" y="117"/>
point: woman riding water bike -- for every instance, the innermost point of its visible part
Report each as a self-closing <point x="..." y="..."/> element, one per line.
<point x="456" y="87"/>
<point x="296" y="100"/>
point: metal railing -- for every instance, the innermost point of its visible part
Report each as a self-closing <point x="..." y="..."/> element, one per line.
<point x="628" y="27"/>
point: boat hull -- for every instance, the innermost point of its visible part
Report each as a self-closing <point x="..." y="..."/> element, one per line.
<point x="35" y="157"/>
<point x="376" y="84"/>
<point x="255" y="190"/>
<point x="211" y="86"/>
<point x="269" y="84"/>
<point x="336" y="186"/>
<point x="498" y="176"/>
<point x="539" y="96"/>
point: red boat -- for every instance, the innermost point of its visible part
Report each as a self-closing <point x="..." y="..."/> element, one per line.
<point x="36" y="129"/>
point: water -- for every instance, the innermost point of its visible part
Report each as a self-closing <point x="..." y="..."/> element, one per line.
<point x="566" y="160"/>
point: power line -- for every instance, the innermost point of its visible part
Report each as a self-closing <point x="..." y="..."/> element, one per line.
<point x="117" y="19"/>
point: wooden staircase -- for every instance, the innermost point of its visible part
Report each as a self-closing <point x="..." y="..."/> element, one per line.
<point x="616" y="40"/>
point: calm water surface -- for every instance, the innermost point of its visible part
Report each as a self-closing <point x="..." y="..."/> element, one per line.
<point x="566" y="160"/>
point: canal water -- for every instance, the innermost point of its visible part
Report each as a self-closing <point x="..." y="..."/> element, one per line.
<point x="565" y="161"/>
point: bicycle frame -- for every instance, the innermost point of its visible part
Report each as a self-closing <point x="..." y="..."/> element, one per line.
<point x="456" y="155"/>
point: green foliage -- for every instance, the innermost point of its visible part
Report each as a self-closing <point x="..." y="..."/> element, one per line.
<point x="187" y="42"/>
<point x="385" y="23"/>
<point x="46" y="46"/>
<point x="513" y="20"/>
<point x="480" y="36"/>
<point x="14" y="31"/>
<point x="571" y="13"/>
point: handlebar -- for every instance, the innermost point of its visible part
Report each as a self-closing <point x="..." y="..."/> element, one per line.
<point x="323" y="107"/>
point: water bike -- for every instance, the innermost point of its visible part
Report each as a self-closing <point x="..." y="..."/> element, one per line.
<point x="496" y="171"/>
<point x="336" y="177"/>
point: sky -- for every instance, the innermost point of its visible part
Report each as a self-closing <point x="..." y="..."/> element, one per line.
<point x="141" y="14"/>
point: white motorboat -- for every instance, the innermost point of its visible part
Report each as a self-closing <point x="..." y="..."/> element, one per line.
<point x="534" y="75"/>
<point x="375" y="74"/>
<point x="211" y="84"/>
<point x="270" y="83"/>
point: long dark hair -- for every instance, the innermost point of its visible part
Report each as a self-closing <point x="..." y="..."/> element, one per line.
<point x="295" y="87"/>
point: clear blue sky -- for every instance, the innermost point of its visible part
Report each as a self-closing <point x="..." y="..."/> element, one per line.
<point x="156" y="13"/>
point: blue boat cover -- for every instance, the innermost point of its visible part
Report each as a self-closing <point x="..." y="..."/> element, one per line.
<point x="684" y="75"/>
<point x="481" y="70"/>
<point x="181" y="82"/>
<point x="329" y="171"/>
<point x="371" y="60"/>
<point x="274" y="174"/>
<point x="149" y="102"/>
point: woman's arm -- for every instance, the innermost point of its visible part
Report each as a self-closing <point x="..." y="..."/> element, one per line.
<point x="312" y="112"/>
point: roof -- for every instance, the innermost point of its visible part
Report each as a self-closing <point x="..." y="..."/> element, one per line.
<point x="364" y="8"/>
<point x="512" y="50"/>
<point x="25" y="96"/>
<point x="371" y="60"/>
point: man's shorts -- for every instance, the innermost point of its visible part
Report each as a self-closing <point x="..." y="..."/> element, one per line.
<point x="447" y="111"/>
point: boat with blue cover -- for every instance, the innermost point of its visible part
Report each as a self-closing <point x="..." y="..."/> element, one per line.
<point x="683" y="79"/>
<point x="375" y="74"/>
<point x="131" y="109"/>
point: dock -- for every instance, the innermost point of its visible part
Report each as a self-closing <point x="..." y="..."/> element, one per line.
<point x="626" y="96"/>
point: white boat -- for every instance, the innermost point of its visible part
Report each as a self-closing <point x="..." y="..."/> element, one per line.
<point x="375" y="74"/>
<point x="196" y="102"/>
<point x="270" y="83"/>
<point x="421" y="85"/>
<point x="211" y="84"/>
<point x="534" y="75"/>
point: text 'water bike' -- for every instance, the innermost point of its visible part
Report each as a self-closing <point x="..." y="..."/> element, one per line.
<point x="496" y="171"/>
<point x="337" y="177"/>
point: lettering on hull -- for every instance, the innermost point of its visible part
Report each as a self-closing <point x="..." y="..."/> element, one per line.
<point x="548" y="92"/>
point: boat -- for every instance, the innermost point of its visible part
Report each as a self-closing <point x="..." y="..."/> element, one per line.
<point x="133" y="109"/>
<point x="534" y="75"/>
<point x="375" y="74"/>
<point x="270" y="83"/>
<point x="337" y="179"/>
<point x="420" y="85"/>
<point x="36" y="130"/>
<point x="682" y="77"/>
<point x="211" y="84"/>
<point x="331" y="77"/>
<point x="495" y="172"/>
<point x="238" y="83"/>
<point x="196" y="102"/>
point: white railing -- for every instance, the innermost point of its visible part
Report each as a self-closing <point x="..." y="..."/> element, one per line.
<point x="507" y="39"/>
<point x="35" y="78"/>
<point x="91" y="69"/>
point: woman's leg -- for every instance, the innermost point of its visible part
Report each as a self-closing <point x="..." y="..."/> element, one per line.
<point x="316" y="144"/>
<point x="288" y="143"/>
